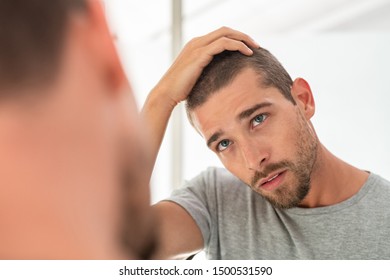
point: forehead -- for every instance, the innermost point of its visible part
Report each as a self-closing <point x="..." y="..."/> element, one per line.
<point x="223" y="107"/>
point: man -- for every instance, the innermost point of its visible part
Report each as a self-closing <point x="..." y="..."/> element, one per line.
<point x="302" y="201"/>
<point x="72" y="184"/>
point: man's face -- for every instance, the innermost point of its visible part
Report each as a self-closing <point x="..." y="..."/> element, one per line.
<point x="106" y="128"/>
<point x="261" y="137"/>
<point x="73" y="183"/>
<point x="137" y="227"/>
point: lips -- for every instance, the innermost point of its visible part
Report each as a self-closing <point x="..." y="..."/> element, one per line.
<point x="272" y="181"/>
<point x="269" y="178"/>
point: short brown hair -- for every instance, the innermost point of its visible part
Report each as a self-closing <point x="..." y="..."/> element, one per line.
<point x="31" y="36"/>
<point x="226" y="66"/>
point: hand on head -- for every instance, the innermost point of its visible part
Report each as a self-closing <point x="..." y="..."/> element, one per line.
<point x="196" y="55"/>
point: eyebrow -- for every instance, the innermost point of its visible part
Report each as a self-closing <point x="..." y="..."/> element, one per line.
<point x="214" y="137"/>
<point x="248" y="112"/>
<point x="243" y="115"/>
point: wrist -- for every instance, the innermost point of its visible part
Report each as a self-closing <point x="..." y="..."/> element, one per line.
<point x="160" y="98"/>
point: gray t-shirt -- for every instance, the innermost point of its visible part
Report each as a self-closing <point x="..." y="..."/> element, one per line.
<point x="237" y="223"/>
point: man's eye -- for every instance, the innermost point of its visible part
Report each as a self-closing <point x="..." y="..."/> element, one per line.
<point x="258" y="119"/>
<point x="223" y="145"/>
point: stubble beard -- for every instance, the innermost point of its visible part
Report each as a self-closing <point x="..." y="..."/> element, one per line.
<point x="138" y="228"/>
<point x="290" y="195"/>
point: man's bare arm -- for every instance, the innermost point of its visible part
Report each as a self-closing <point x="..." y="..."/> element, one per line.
<point x="180" y="78"/>
<point x="180" y="236"/>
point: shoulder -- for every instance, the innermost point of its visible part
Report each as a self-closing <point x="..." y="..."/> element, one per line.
<point x="378" y="182"/>
<point x="378" y="188"/>
<point x="215" y="178"/>
<point x="213" y="184"/>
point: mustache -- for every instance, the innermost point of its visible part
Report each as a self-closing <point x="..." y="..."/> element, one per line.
<point x="267" y="170"/>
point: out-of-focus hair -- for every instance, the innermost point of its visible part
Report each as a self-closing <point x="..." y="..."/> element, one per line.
<point x="32" y="34"/>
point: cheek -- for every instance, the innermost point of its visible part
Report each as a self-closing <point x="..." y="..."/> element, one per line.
<point x="283" y="139"/>
<point x="236" y="166"/>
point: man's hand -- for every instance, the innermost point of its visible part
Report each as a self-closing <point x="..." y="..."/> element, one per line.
<point x="179" y="80"/>
<point x="179" y="234"/>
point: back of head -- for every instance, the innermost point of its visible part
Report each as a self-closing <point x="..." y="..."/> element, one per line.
<point x="31" y="38"/>
<point x="226" y="66"/>
<point x="71" y="156"/>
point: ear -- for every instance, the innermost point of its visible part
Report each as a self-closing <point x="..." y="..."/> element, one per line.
<point x="101" y="45"/>
<point x="303" y="97"/>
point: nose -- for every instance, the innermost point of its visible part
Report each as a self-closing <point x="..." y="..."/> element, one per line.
<point x="254" y="154"/>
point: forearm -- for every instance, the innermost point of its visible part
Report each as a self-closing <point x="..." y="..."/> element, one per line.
<point x="180" y="78"/>
<point x="155" y="114"/>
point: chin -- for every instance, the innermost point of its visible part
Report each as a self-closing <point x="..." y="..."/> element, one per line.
<point x="285" y="197"/>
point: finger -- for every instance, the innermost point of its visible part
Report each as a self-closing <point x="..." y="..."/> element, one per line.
<point x="223" y="44"/>
<point x="227" y="44"/>
<point x="229" y="33"/>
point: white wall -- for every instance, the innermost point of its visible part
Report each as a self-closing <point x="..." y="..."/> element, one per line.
<point x="143" y="41"/>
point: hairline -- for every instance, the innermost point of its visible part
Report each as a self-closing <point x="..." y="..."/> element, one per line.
<point x="261" y="83"/>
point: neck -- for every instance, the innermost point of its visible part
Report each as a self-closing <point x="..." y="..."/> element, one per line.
<point x="332" y="181"/>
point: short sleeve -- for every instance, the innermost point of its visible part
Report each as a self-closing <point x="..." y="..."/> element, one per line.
<point x="198" y="197"/>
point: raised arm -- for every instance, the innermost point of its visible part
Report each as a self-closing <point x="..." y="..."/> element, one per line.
<point x="178" y="81"/>
<point x="179" y="234"/>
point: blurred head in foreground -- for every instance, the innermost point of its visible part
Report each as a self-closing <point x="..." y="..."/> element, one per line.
<point x="71" y="164"/>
